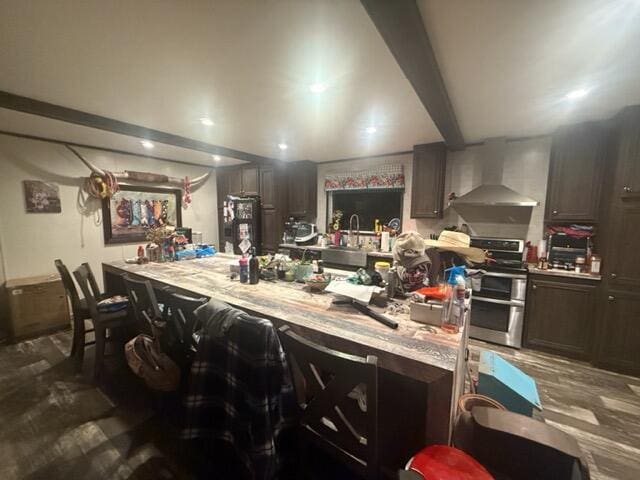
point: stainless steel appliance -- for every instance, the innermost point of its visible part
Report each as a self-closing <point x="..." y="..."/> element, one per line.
<point x="497" y="311"/>
<point x="565" y="249"/>
<point x="290" y="227"/>
<point x="306" y="233"/>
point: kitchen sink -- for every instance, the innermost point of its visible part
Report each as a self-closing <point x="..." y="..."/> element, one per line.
<point x="349" y="256"/>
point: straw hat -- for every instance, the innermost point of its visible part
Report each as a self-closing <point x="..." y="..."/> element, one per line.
<point x="457" y="242"/>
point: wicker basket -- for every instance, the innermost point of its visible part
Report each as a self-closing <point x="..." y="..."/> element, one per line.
<point x="469" y="400"/>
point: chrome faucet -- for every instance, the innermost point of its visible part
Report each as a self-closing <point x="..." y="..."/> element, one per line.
<point x="357" y="245"/>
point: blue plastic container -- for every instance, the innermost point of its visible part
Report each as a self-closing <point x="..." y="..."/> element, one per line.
<point x="507" y="384"/>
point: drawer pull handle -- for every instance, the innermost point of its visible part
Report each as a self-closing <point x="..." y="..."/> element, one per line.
<point x="555" y="212"/>
<point x="435" y="211"/>
<point x="614" y="275"/>
<point x="534" y="286"/>
<point x="626" y="189"/>
<point x="610" y="298"/>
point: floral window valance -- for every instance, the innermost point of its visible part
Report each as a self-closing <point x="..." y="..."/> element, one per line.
<point x="384" y="177"/>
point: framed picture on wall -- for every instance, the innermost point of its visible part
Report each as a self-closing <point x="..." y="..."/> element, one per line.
<point x="41" y="197"/>
<point x="131" y="211"/>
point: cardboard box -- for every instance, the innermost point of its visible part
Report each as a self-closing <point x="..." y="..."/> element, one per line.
<point x="37" y="305"/>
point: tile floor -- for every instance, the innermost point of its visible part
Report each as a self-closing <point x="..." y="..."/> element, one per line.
<point x="55" y="424"/>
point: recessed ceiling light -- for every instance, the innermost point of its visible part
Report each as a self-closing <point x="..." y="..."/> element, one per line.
<point x="317" y="87"/>
<point x="283" y="146"/>
<point x="146" y="144"/>
<point x="216" y="158"/>
<point x="371" y="130"/>
<point x="206" y="121"/>
<point x="575" y="94"/>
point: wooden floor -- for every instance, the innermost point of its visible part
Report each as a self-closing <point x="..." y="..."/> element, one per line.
<point x="55" y="424"/>
<point x="600" y="409"/>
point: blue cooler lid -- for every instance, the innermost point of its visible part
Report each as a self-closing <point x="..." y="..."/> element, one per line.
<point x="522" y="384"/>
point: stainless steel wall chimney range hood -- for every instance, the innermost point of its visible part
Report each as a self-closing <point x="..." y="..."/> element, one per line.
<point x="491" y="192"/>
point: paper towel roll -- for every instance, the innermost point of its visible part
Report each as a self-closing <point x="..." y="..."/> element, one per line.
<point x="384" y="242"/>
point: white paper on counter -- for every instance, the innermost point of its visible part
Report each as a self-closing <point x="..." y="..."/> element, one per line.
<point x="361" y="293"/>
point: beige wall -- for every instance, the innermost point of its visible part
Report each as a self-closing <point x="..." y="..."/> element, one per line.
<point x="30" y="242"/>
<point x="526" y="169"/>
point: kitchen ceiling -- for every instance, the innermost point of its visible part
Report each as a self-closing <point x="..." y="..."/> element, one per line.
<point x="248" y="65"/>
<point x="12" y="121"/>
<point x="508" y="64"/>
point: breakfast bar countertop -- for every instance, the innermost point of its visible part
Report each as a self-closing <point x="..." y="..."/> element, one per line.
<point x="413" y="349"/>
<point x="422" y="368"/>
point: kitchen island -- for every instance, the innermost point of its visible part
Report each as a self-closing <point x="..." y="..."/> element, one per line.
<point x="421" y="368"/>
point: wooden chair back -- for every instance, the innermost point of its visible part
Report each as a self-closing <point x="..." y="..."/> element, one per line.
<point x="69" y="286"/>
<point x="338" y="402"/>
<point x="92" y="282"/>
<point x="82" y="277"/>
<point x="182" y="317"/>
<point x="142" y="299"/>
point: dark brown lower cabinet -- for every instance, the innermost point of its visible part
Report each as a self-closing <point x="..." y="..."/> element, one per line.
<point x="560" y="316"/>
<point x="618" y="341"/>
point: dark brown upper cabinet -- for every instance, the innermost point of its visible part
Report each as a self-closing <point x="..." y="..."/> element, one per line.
<point x="427" y="184"/>
<point x="249" y="181"/>
<point x="268" y="187"/>
<point x="626" y="146"/>
<point x="578" y="155"/>
<point x="236" y="181"/>
<point x="560" y="315"/>
<point x="303" y="187"/>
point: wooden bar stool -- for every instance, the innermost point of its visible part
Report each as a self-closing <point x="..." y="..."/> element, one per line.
<point x="338" y="400"/>
<point x="102" y="321"/>
<point x="80" y="313"/>
<point x="142" y="299"/>
<point x="181" y="314"/>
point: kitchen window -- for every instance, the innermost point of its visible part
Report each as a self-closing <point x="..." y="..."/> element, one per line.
<point x="369" y="205"/>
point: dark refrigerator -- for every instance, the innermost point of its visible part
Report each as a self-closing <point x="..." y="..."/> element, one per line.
<point x="241" y="224"/>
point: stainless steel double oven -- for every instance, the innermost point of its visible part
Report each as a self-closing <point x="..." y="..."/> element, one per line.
<point x="497" y="312"/>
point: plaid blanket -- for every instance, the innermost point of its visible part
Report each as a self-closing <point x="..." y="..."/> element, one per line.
<point x="240" y="389"/>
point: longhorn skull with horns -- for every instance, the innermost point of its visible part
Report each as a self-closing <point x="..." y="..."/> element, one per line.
<point x="143" y="177"/>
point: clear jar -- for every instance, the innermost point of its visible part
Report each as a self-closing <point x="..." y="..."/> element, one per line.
<point x="383" y="270"/>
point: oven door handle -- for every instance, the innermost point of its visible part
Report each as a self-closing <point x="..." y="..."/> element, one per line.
<point x="513" y="303"/>
<point x="518" y="276"/>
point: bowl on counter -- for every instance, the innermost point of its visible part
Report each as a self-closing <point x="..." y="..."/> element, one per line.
<point x="317" y="282"/>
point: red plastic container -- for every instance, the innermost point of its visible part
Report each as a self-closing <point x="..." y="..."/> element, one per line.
<point x="440" y="462"/>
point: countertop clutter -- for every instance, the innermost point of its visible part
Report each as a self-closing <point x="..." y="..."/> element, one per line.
<point x="290" y="302"/>
<point x="556" y="272"/>
<point x="318" y="248"/>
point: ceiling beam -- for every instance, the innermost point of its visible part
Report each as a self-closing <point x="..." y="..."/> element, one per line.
<point x="69" y="115"/>
<point x="57" y="141"/>
<point x="401" y="26"/>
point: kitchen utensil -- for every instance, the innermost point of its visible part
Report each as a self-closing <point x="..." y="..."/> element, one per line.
<point x="362" y="308"/>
